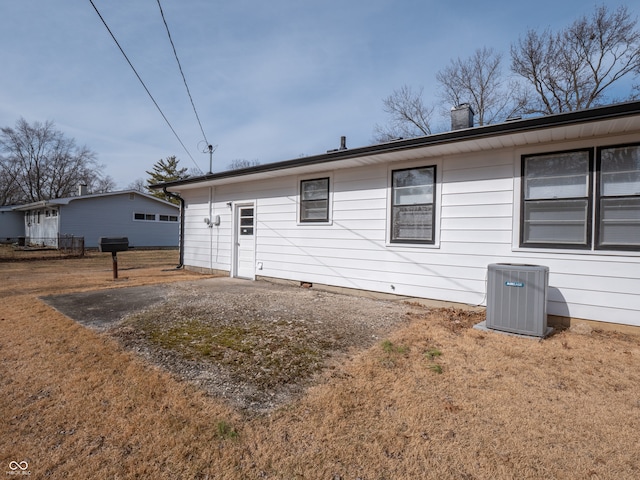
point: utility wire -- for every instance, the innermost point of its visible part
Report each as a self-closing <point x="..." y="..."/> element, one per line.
<point x="175" y="54"/>
<point x="143" y="84"/>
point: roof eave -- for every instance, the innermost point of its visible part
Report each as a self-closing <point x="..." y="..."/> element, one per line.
<point x="493" y="130"/>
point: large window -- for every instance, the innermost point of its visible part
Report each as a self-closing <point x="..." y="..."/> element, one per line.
<point x="314" y="200"/>
<point x="618" y="197"/>
<point x="556" y="210"/>
<point x="412" y="205"/>
<point x="561" y="210"/>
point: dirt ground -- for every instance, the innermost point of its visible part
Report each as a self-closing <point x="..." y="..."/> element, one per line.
<point x="380" y="390"/>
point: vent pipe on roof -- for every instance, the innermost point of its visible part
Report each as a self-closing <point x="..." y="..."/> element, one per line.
<point x="343" y="145"/>
<point x="461" y="117"/>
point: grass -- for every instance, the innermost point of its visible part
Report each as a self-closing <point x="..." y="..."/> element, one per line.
<point x="252" y="352"/>
<point x="75" y="404"/>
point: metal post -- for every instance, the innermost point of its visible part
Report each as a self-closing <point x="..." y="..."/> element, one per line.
<point x="210" y="157"/>
<point x="114" y="257"/>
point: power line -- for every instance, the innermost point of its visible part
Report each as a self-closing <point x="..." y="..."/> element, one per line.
<point x="143" y="84"/>
<point x="175" y="54"/>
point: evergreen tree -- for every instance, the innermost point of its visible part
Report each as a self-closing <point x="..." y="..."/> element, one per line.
<point x="166" y="170"/>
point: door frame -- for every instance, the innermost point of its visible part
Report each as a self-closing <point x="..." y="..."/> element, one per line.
<point x="236" y="238"/>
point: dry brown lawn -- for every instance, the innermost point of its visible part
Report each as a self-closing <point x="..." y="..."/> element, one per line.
<point x="436" y="399"/>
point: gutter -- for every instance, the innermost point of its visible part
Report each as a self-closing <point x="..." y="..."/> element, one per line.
<point x="181" y="239"/>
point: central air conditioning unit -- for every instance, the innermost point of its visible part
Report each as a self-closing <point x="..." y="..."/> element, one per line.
<point x="517" y="299"/>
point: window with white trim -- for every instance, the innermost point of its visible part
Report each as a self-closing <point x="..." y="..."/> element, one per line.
<point x="618" y="189"/>
<point x="314" y="200"/>
<point x="412" y="205"/>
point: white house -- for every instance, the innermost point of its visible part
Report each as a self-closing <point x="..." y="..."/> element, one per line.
<point x="147" y="221"/>
<point x="424" y="217"/>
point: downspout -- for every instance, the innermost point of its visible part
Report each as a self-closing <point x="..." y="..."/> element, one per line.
<point x="181" y="240"/>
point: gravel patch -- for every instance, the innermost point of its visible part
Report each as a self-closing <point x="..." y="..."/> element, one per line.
<point x="256" y="344"/>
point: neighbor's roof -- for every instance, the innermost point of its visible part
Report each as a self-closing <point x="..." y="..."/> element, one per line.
<point x="617" y="118"/>
<point x="66" y="200"/>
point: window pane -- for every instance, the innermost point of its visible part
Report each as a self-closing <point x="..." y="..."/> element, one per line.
<point x="314" y="210"/>
<point x="315" y="189"/>
<point x="562" y="175"/>
<point x="620" y="221"/>
<point x="620" y="171"/>
<point x="412" y="222"/>
<point x="138" y="216"/>
<point x="150" y="216"/>
<point x="561" y="222"/>
<point x="413" y="195"/>
<point x="413" y="177"/>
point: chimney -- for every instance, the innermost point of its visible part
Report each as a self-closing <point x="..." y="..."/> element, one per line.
<point x="82" y="189"/>
<point x="461" y="117"/>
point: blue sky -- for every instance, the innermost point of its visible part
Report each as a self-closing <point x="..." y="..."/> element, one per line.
<point x="271" y="80"/>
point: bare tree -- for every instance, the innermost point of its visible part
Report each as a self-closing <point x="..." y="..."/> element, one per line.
<point x="42" y="163"/>
<point x="478" y="81"/>
<point x="408" y="116"/>
<point x="139" y="185"/>
<point x="575" y="68"/>
<point x="239" y="163"/>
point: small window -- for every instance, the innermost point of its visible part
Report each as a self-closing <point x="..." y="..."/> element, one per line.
<point x="148" y="217"/>
<point x="164" y="218"/>
<point x="54" y="213"/>
<point x="556" y="207"/>
<point x="47" y="213"/>
<point x="173" y="218"/>
<point x="618" y="206"/>
<point x="246" y="221"/>
<point x="168" y="218"/>
<point x="314" y="200"/>
<point x="412" y="205"/>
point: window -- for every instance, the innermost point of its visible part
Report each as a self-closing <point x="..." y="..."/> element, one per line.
<point x="618" y="209"/>
<point x="412" y="205"/>
<point x="149" y="217"/>
<point x="556" y="210"/>
<point x="168" y="218"/>
<point x="314" y="200"/>
<point x="246" y="221"/>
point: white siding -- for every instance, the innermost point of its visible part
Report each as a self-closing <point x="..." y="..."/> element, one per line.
<point x="476" y="204"/>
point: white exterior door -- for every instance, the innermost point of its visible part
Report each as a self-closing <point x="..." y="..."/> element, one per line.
<point x="245" y="243"/>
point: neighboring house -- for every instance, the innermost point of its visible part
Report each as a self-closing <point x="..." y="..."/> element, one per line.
<point x="424" y="217"/>
<point x="11" y="224"/>
<point x="147" y="221"/>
